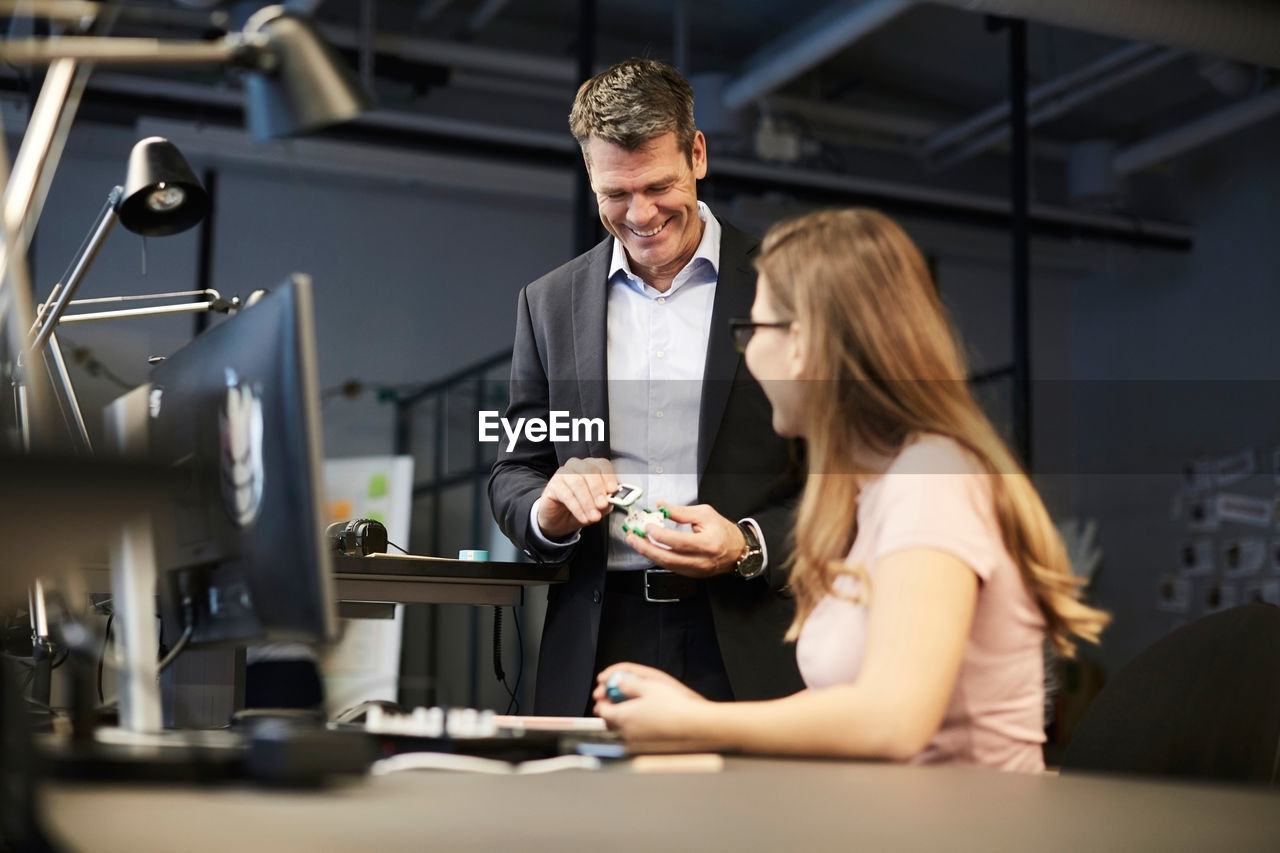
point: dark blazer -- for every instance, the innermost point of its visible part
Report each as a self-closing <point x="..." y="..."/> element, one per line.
<point x="745" y="469"/>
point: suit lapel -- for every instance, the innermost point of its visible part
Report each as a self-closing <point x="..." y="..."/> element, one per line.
<point x="735" y="290"/>
<point x="589" y="310"/>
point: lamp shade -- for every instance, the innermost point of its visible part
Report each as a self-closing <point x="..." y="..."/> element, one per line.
<point x="305" y="86"/>
<point x="161" y="193"/>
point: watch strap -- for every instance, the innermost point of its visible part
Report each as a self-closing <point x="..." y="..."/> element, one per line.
<point x="751" y="564"/>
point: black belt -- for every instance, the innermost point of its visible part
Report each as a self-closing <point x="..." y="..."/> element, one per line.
<point x="658" y="586"/>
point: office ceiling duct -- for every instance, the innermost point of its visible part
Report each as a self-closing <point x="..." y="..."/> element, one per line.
<point x="1237" y="29"/>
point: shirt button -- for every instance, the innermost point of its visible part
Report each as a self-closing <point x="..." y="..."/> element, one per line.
<point x="661" y="354"/>
<point x="595" y="596"/>
<point x="658" y="470"/>
<point x="658" y="414"/>
<point x="662" y="300"/>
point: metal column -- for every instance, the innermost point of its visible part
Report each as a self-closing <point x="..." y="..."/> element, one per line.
<point x="1020" y="232"/>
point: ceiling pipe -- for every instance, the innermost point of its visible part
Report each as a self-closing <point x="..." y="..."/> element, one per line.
<point x="824" y="34"/>
<point x="999" y="113"/>
<point x="1238" y="29"/>
<point x="1165" y="146"/>
<point x="1060" y="105"/>
<point x="1042" y="215"/>
<point x="429" y="10"/>
<point x="472" y="57"/>
<point x="861" y="118"/>
<point x="482" y="17"/>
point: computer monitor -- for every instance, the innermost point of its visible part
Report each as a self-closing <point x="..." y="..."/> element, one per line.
<point x="238" y="552"/>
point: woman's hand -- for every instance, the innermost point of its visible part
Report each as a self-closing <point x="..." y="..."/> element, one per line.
<point x="659" y="715"/>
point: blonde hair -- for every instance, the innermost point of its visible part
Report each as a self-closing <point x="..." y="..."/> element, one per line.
<point x="877" y="334"/>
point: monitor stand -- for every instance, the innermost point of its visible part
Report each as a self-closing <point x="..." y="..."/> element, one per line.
<point x="133" y="582"/>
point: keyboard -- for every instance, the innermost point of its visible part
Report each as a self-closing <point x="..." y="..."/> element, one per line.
<point x="470" y="731"/>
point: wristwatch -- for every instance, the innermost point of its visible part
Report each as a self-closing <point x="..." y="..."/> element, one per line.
<point x="751" y="563"/>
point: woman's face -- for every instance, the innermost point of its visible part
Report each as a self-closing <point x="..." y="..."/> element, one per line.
<point x="774" y="357"/>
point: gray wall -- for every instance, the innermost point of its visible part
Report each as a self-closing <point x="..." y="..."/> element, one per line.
<point x="1194" y="339"/>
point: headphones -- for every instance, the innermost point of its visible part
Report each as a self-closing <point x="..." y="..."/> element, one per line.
<point x="359" y="537"/>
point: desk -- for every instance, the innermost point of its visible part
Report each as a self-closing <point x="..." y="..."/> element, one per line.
<point x="756" y="804"/>
<point x="418" y="580"/>
<point x="436" y="580"/>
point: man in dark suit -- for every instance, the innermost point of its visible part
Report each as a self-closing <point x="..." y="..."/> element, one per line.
<point x="635" y="333"/>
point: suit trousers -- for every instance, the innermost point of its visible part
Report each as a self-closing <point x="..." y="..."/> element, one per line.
<point x="677" y="637"/>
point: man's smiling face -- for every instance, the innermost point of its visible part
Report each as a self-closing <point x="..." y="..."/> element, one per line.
<point x="649" y="201"/>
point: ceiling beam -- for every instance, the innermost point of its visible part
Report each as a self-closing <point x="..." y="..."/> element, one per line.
<point x="482" y="16"/>
<point x="429" y="10"/>
<point x="1167" y="145"/>
<point x="454" y="54"/>
<point x="999" y="113"/>
<point x="1060" y="105"/>
<point x="824" y="34"/>
<point x="1238" y="29"/>
<point x="1045" y="218"/>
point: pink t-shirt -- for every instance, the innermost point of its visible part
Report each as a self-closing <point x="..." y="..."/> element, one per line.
<point x="934" y="495"/>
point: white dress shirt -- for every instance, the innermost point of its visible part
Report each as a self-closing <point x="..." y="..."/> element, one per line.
<point x="657" y="352"/>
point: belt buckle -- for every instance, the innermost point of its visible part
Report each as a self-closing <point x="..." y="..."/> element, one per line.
<point x="648" y="596"/>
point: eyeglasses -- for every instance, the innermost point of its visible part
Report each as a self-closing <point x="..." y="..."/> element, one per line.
<point x="743" y="330"/>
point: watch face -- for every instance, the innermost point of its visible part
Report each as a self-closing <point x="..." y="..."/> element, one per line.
<point x="752" y="564"/>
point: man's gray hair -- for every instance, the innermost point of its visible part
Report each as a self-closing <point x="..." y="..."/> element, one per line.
<point x="632" y="103"/>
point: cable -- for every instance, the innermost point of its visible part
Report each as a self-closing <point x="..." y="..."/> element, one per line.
<point x="177" y="648"/>
<point x="497" y="646"/>
<point x="515" y="697"/>
<point x="397" y="547"/>
<point x="497" y="658"/>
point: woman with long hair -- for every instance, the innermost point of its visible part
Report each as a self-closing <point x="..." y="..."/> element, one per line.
<point x="926" y="572"/>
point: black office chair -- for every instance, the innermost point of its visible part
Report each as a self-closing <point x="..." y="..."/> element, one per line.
<point x="1202" y="702"/>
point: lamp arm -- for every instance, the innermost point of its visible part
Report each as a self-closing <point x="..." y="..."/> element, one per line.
<point x="215" y="302"/>
<point x="151" y="311"/>
<point x="68" y="389"/>
<point x="47" y="317"/>
<point x="125" y="51"/>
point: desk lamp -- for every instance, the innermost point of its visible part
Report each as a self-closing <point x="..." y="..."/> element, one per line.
<point x="160" y="196"/>
<point x="294" y="83"/>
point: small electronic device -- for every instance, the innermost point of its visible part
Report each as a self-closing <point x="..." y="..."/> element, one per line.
<point x="613" y="691"/>
<point x="638" y="518"/>
<point x="359" y="537"/>
<point x="625" y="496"/>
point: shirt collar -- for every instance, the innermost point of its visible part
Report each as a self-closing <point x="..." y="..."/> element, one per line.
<point x="708" y="249"/>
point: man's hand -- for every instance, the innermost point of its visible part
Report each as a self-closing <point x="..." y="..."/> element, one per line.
<point x="575" y="496"/>
<point x="712" y="548"/>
